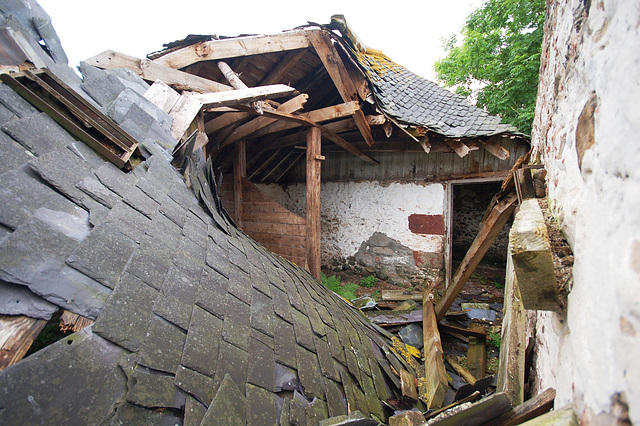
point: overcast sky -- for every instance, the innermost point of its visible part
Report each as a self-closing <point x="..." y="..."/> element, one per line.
<point x="409" y="32"/>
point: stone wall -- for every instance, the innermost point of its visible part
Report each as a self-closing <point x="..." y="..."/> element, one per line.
<point x="395" y="230"/>
<point x="586" y="134"/>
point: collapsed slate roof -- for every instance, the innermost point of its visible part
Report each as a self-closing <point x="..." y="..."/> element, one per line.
<point x="194" y="321"/>
<point x="413" y="100"/>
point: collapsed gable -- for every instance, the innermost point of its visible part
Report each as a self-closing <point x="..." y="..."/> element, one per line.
<point x="194" y="321"/>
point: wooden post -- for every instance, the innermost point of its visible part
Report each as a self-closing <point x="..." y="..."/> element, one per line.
<point x="436" y="384"/>
<point x="313" y="200"/>
<point x="239" y="173"/>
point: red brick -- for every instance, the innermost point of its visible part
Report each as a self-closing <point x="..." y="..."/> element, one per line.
<point x="426" y="224"/>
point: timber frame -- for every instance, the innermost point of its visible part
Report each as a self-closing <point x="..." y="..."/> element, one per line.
<point x="326" y="90"/>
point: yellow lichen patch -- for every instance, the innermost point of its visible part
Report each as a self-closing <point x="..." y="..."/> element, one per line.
<point x="405" y="352"/>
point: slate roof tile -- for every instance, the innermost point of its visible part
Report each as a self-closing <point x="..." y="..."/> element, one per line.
<point x="153" y="390"/>
<point x="126" y="316"/>
<point x="229" y="404"/>
<point x="13" y="154"/>
<point x="162" y="346"/>
<point x="285" y="343"/>
<point x="212" y="292"/>
<point x="261" y="361"/>
<point x="92" y="187"/>
<point x="200" y="386"/>
<point x="38" y="133"/>
<point x="151" y="261"/>
<point x="232" y="361"/>
<point x="261" y="406"/>
<point x="203" y="340"/>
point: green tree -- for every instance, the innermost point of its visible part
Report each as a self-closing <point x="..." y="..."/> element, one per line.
<point x="498" y="59"/>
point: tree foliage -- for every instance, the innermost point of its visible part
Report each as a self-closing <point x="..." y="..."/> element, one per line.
<point x="498" y="59"/>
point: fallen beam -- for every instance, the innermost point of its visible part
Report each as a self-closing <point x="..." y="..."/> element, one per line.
<point x="242" y="96"/>
<point x="495" y="219"/>
<point x="435" y="373"/>
<point x="152" y="71"/>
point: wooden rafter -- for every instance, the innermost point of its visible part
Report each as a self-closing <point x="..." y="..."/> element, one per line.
<point x="340" y="76"/>
<point x="247" y="129"/>
<point x="495" y="148"/>
<point x="233" y="48"/>
<point x="152" y="71"/>
<point x="458" y="147"/>
<point x="283" y="67"/>
<point x="318" y="116"/>
<point x="242" y="96"/>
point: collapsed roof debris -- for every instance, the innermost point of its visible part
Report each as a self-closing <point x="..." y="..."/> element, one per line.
<point x="195" y="322"/>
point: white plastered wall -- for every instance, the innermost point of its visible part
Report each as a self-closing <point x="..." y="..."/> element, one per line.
<point x="591" y="352"/>
<point x="353" y="211"/>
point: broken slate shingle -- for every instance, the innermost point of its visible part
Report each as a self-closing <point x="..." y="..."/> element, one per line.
<point x="228" y="404"/>
<point x="155" y="390"/>
<point x="128" y="221"/>
<point x="98" y="192"/>
<point x="13" y="154"/>
<point x="103" y="255"/>
<point x="19" y="300"/>
<point x="115" y="179"/>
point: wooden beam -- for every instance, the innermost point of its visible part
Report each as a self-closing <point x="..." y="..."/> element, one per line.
<point x="436" y="385"/>
<point x="340" y="76"/>
<point x="242" y="96"/>
<point x="247" y="129"/>
<point x="495" y="148"/>
<point x="183" y="113"/>
<point x="313" y="200"/>
<point x="162" y="95"/>
<point x="532" y="258"/>
<point x="461" y="370"/>
<point x="236" y="83"/>
<point x="495" y="219"/>
<point x="239" y="173"/>
<point x="532" y="408"/>
<point x="318" y="116"/>
<point x="234" y="47"/>
<point x="17" y="333"/>
<point x="458" y="147"/>
<point x="264" y="164"/>
<point x="513" y="342"/>
<point x="289" y="167"/>
<point x="477" y="354"/>
<point x="152" y="71"/>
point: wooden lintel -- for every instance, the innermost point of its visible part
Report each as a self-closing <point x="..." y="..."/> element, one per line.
<point x="340" y="76"/>
<point x="242" y="96"/>
<point x="313" y="201"/>
<point x="493" y="222"/>
<point x="152" y="71"/>
<point x="233" y="48"/>
<point x="17" y="333"/>
<point x="436" y="385"/>
<point x="495" y="148"/>
<point x="239" y="173"/>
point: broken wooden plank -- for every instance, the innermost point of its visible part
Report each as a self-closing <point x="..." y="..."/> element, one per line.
<point x="399" y="295"/>
<point x="17" y="334"/>
<point x="236" y="83"/>
<point x="461" y="370"/>
<point x="458" y="147"/>
<point x="477" y="354"/>
<point x="73" y="322"/>
<point x="524" y="184"/>
<point x="313" y="200"/>
<point x="183" y="113"/>
<point x="532" y="258"/>
<point x="495" y="219"/>
<point x="408" y="385"/>
<point x="225" y="120"/>
<point x="291" y="106"/>
<point x="563" y="417"/>
<point x="340" y="76"/>
<point x="242" y="96"/>
<point x="451" y="328"/>
<point x="162" y="95"/>
<point x="233" y="48"/>
<point x="495" y="148"/>
<point x="152" y="71"/>
<point x="436" y="383"/>
<point x="513" y="341"/>
<point x="479" y="413"/>
<point x="531" y="408"/>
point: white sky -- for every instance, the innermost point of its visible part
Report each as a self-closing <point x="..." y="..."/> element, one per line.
<point x="409" y="32"/>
